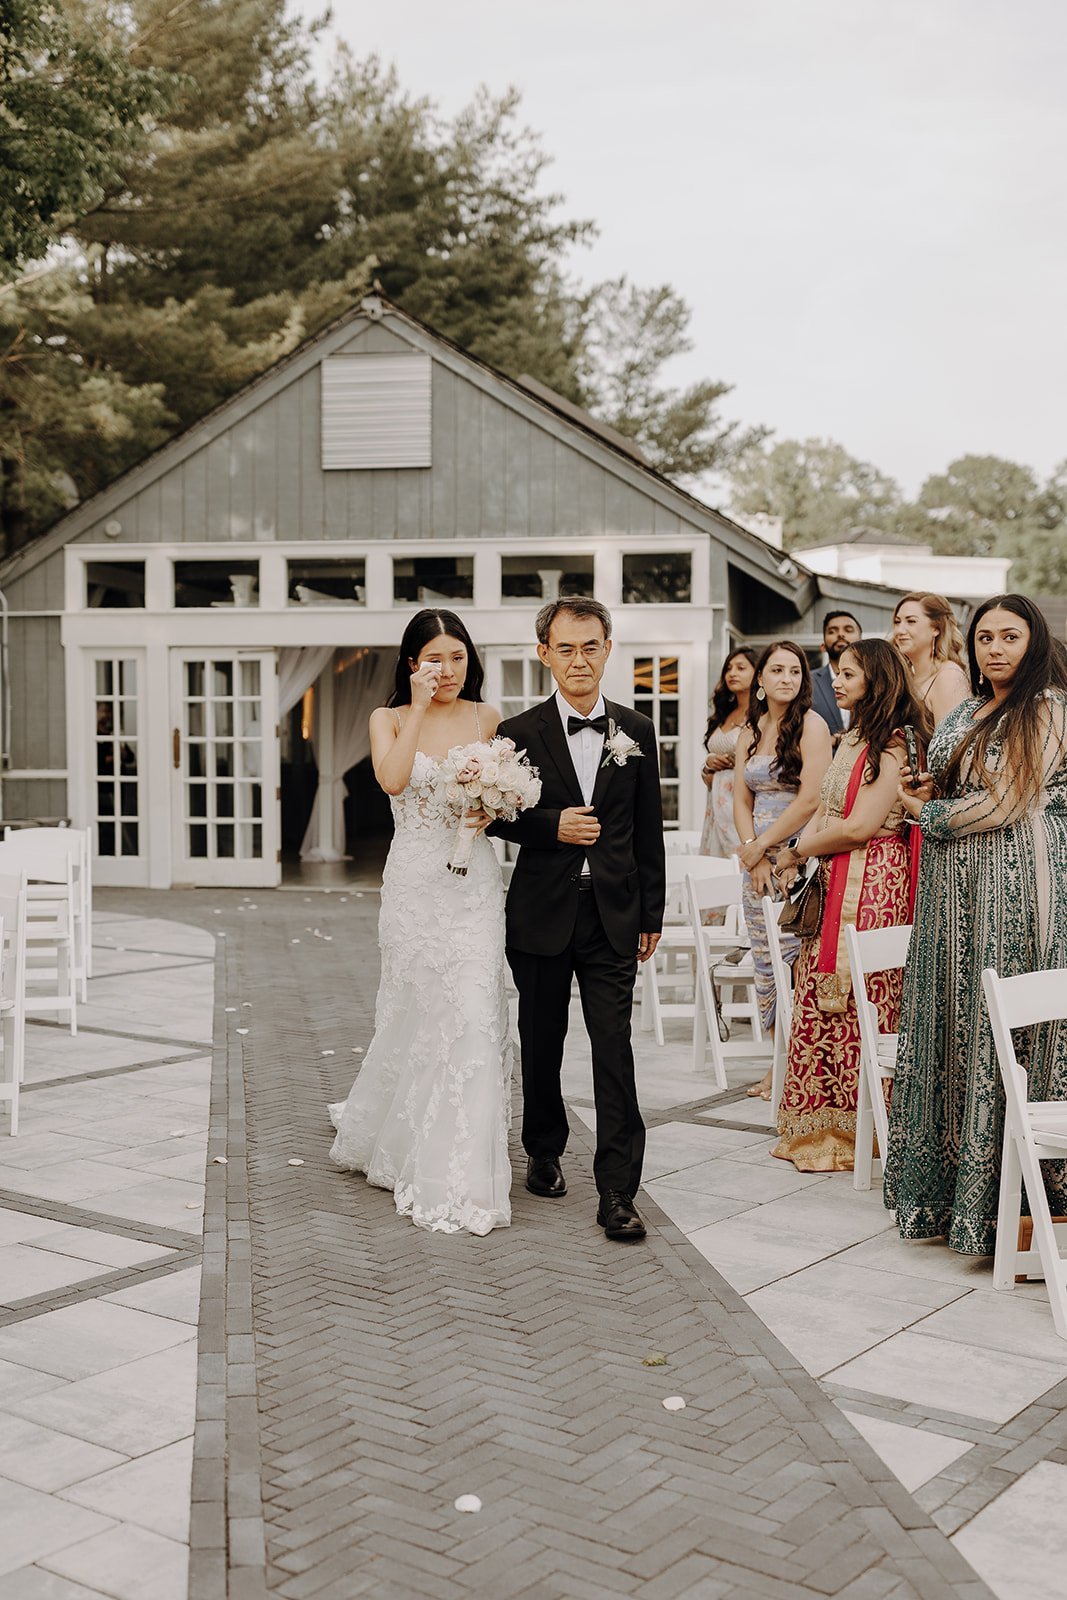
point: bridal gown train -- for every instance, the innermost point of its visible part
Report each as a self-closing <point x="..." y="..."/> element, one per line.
<point x="428" y="1115"/>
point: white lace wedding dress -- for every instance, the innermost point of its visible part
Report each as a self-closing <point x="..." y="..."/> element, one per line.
<point x="428" y="1115"/>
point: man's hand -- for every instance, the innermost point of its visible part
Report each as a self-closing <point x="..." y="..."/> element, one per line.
<point x="646" y="945"/>
<point x="578" y="825"/>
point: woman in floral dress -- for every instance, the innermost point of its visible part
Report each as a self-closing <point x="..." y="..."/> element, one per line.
<point x="729" y="707"/>
<point x="992" y="893"/>
<point x="865" y="858"/>
<point x="782" y="755"/>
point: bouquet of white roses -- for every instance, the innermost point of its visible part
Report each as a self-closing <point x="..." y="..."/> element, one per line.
<point x="490" y="776"/>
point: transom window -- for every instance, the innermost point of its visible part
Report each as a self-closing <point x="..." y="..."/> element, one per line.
<point x="656" y="693"/>
<point x="424" y="579"/>
<point x="216" y="583"/>
<point x="117" y="759"/>
<point x="544" y="577"/>
<point x="114" y="584"/>
<point x="328" y="583"/>
<point x="657" y="578"/>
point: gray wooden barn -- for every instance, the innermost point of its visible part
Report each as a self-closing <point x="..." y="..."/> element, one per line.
<point x="191" y="654"/>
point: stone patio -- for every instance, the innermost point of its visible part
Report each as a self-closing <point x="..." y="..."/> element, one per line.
<point x="863" y="1417"/>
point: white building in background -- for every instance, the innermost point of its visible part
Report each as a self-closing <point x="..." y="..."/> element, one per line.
<point x="195" y="650"/>
<point x="869" y="555"/>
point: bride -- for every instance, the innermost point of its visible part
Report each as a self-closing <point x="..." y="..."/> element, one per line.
<point x="428" y="1115"/>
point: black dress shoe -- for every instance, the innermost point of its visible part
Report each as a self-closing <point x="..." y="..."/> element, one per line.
<point x="544" y="1176"/>
<point x="618" y="1216"/>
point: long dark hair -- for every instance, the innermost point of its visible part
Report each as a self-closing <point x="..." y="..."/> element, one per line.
<point x="888" y="703"/>
<point x="723" y="700"/>
<point x="1017" y="722"/>
<point x="424" y="627"/>
<point x="787" y="758"/>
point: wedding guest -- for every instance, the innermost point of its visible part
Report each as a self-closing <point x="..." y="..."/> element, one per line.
<point x="839" y="630"/>
<point x="727" y="713"/>
<point x="992" y="893"/>
<point x="782" y="754"/>
<point x="927" y="634"/>
<point x="865" y="859"/>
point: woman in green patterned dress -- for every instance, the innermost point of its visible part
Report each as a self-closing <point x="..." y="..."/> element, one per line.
<point x="992" y="893"/>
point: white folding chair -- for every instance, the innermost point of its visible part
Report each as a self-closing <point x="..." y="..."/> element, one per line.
<point x="50" y="906"/>
<point x="681" y="841"/>
<point x="11" y="1067"/>
<point x="874" y="950"/>
<point x="783" y="990"/>
<point x="78" y="843"/>
<point x="1034" y="1131"/>
<point x="673" y="965"/>
<point x="709" y="894"/>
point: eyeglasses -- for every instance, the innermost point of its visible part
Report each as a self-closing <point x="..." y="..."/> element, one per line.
<point x="567" y="652"/>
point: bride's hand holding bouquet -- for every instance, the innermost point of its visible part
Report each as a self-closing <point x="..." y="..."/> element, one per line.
<point x="489" y="779"/>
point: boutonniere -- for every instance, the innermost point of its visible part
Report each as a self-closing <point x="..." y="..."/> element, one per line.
<point x="618" y="746"/>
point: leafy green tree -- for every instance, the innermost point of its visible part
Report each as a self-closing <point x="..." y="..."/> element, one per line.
<point x="819" y="491"/>
<point x="72" y="109"/>
<point x="979" y="506"/>
<point x="256" y="207"/>
<point x="630" y="335"/>
<point x="65" y="428"/>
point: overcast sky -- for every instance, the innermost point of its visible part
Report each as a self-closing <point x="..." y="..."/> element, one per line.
<point x="863" y="201"/>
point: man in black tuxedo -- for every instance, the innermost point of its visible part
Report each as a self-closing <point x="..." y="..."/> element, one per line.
<point x="839" y="630"/>
<point x="586" y="898"/>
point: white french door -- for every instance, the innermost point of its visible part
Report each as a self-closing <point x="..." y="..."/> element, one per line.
<point x="224" y="756"/>
<point x="658" y="683"/>
<point x="115" y="789"/>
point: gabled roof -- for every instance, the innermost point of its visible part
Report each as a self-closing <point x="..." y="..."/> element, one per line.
<point x="536" y="402"/>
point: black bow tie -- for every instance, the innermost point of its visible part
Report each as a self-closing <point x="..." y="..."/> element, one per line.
<point x="576" y="724"/>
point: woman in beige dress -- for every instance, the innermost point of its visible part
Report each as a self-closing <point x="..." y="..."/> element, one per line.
<point x="729" y="707"/>
<point x="927" y="634"/>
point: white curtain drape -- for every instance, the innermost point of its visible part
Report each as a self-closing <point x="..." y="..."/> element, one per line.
<point x="297" y="671"/>
<point x="362" y="683"/>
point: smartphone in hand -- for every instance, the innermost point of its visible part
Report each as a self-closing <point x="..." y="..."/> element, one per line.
<point x="911" y="744"/>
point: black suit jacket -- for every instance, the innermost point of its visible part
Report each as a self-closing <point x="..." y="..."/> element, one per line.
<point x="626" y="863"/>
<point x="822" y="698"/>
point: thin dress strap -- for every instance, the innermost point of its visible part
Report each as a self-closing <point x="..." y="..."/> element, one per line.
<point x="396" y="714"/>
<point x="477" y="720"/>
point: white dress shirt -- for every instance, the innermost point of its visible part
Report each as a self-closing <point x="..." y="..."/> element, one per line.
<point x="587" y="749"/>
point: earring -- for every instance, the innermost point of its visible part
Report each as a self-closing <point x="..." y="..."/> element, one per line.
<point x="760" y="696"/>
<point x="981" y="680"/>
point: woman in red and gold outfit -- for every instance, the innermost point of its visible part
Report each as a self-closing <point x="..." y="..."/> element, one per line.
<point x="868" y="870"/>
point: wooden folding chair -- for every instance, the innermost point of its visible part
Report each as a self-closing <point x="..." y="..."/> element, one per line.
<point x="12" y="993"/>
<point x="783" y="991"/>
<point x="48" y="868"/>
<point x="78" y="843"/>
<point x="1034" y="1131"/>
<point x="874" y="950"/>
<point x="709" y="894"/>
<point x="674" y="963"/>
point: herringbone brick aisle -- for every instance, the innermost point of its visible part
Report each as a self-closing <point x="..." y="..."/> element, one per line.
<point x="382" y="1371"/>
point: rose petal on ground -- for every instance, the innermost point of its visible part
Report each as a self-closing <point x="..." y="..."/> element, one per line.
<point x="221" y="1161"/>
<point x="468" y="1502"/>
<point x="295" y="1161"/>
<point x="674" y="1402"/>
<point x="329" y="1052"/>
<point x="242" y="1030"/>
<point x="655" y="1359"/>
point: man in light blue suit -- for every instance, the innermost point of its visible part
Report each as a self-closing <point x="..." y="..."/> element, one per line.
<point x="839" y="630"/>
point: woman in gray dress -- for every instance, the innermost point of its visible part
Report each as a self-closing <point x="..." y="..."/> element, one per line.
<point x="782" y="756"/>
